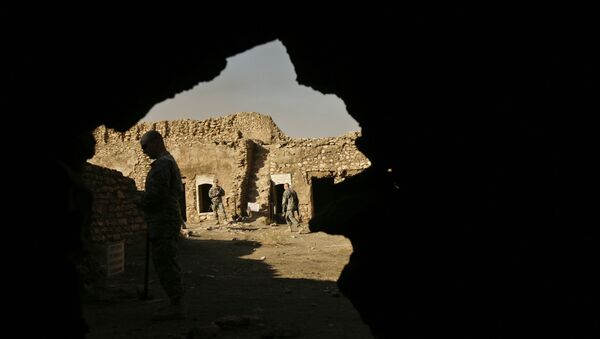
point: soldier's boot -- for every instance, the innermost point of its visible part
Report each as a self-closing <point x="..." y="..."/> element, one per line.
<point x="303" y="229"/>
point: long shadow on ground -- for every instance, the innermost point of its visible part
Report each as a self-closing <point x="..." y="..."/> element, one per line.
<point x="244" y="296"/>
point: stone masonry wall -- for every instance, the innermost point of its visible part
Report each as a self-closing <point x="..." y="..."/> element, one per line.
<point x="305" y="158"/>
<point x="249" y="125"/>
<point x="115" y="215"/>
<point x="216" y="147"/>
<point x="243" y="150"/>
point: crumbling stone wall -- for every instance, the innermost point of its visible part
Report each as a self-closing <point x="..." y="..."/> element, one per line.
<point x="243" y="150"/>
<point x="249" y="125"/>
<point x="248" y="178"/>
<point x="216" y="147"/>
<point x="121" y="150"/>
<point x="307" y="158"/>
<point x="226" y="161"/>
<point x="115" y="215"/>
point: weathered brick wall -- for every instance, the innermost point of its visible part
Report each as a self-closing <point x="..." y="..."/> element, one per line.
<point x="115" y="214"/>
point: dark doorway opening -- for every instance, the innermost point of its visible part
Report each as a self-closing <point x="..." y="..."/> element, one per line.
<point x="182" y="204"/>
<point x="322" y="193"/>
<point x="277" y="195"/>
<point x="203" y="199"/>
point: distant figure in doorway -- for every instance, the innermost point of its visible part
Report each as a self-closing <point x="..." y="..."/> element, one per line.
<point x="289" y="204"/>
<point x="160" y="204"/>
<point x="216" y="194"/>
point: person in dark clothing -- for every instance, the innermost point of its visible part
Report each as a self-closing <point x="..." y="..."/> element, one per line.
<point x="160" y="204"/>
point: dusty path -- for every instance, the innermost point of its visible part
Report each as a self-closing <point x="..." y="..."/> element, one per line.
<point x="255" y="281"/>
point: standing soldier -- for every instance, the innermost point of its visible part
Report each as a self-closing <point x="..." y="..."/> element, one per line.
<point x="215" y="194"/>
<point x="160" y="204"/>
<point x="289" y="204"/>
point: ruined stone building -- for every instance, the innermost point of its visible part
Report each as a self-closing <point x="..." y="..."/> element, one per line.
<point x="248" y="153"/>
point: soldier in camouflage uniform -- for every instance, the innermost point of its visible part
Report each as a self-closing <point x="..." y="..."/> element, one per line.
<point x="216" y="193"/>
<point x="289" y="204"/>
<point x="160" y="204"/>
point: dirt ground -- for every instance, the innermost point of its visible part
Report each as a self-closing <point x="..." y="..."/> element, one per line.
<point x="242" y="281"/>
